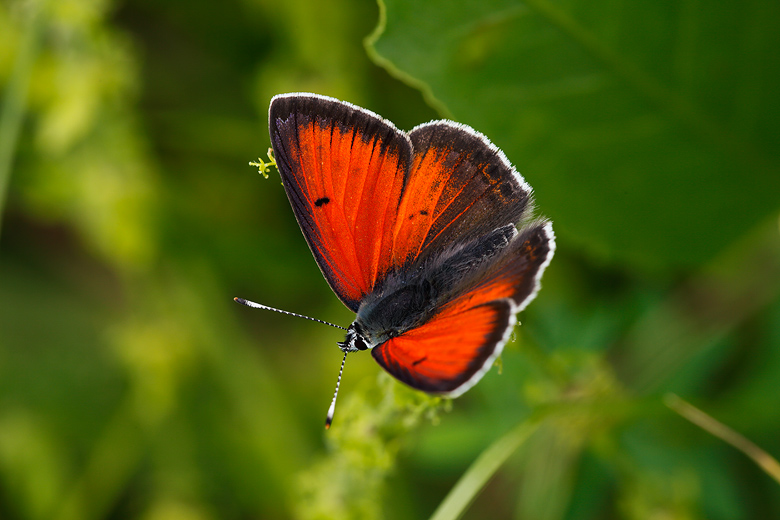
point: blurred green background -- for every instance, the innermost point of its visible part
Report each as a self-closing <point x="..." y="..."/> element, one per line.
<point x="131" y="386"/>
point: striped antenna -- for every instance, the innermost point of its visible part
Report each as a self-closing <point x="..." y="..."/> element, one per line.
<point x="266" y="307"/>
<point x="332" y="409"/>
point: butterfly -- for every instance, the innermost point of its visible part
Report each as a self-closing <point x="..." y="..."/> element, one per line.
<point x="427" y="236"/>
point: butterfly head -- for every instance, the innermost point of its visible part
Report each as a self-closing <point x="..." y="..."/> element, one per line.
<point x="355" y="340"/>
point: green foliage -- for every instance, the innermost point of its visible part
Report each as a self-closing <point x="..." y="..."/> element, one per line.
<point x="660" y="112"/>
<point x="131" y="386"/>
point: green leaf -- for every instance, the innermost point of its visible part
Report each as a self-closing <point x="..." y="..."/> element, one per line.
<point x="649" y="130"/>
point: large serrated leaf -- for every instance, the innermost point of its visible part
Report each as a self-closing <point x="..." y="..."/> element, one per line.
<point x="649" y="129"/>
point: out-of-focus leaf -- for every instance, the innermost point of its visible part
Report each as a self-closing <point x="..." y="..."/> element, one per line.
<point x="738" y="284"/>
<point x="649" y="130"/>
<point x="87" y="164"/>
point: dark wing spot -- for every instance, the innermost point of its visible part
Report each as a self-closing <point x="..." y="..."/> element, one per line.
<point x="415" y="363"/>
<point x="506" y="190"/>
<point x="321" y="201"/>
<point x="423" y="212"/>
<point x="411" y="216"/>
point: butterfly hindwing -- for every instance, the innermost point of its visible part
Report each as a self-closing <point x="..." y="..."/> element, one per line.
<point x="518" y="273"/>
<point x="451" y="351"/>
<point x="456" y="346"/>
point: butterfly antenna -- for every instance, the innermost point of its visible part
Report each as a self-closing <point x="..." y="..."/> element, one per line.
<point x="266" y="307"/>
<point x="332" y="409"/>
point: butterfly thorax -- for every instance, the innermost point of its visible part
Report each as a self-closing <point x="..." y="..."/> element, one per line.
<point x="384" y="316"/>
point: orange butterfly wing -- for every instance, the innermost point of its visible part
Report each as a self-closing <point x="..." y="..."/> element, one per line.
<point x="343" y="169"/>
<point x="460" y="187"/>
<point x="450" y="352"/>
<point x="456" y="346"/>
<point x="371" y="199"/>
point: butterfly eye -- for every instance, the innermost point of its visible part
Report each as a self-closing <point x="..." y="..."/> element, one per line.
<point x="354" y="340"/>
<point x="360" y="343"/>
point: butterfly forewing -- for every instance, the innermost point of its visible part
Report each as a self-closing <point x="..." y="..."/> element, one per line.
<point x="343" y="169"/>
<point x="460" y="187"/>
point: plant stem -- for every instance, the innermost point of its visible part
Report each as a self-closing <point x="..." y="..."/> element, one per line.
<point x="474" y="479"/>
<point x="764" y="460"/>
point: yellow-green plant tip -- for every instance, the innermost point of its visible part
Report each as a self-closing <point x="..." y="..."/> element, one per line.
<point x="262" y="166"/>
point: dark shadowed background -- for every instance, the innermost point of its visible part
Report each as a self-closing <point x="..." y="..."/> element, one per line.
<point x="132" y="386"/>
